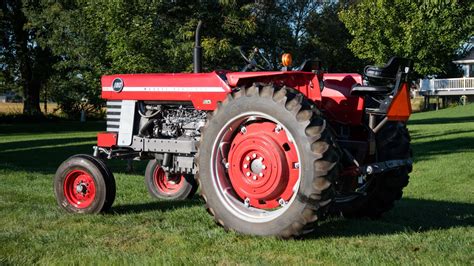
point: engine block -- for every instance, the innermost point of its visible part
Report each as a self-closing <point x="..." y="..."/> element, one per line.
<point x="179" y="121"/>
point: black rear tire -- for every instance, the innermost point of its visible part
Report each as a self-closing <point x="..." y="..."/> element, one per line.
<point x="383" y="190"/>
<point x="93" y="176"/>
<point x="307" y="133"/>
<point x="183" y="186"/>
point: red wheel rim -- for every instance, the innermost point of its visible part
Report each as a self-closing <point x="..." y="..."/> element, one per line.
<point x="264" y="166"/>
<point x="79" y="188"/>
<point x="167" y="183"/>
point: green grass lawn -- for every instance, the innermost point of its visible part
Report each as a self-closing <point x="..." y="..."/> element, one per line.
<point x="432" y="224"/>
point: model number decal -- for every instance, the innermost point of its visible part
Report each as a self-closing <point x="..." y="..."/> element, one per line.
<point x="117" y="85"/>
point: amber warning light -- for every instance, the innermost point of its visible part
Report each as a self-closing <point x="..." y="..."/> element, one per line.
<point x="286" y="60"/>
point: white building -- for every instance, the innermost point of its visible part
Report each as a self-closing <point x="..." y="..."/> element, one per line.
<point x="453" y="87"/>
<point x="467" y="64"/>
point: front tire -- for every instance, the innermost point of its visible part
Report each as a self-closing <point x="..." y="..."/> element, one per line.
<point x="266" y="163"/>
<point x="166" y="186"/>
<point x="84" y="184"/>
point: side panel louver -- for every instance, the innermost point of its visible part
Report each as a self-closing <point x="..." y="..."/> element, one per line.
<point x="113" y="115"/>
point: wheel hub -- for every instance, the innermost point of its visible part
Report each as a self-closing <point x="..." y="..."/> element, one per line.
<point x="257" y="165"/>
<point x="81" y="188"/>
<point x="261" y="160"/>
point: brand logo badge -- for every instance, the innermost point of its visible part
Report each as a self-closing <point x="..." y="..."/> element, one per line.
<point x="117" y="85"/>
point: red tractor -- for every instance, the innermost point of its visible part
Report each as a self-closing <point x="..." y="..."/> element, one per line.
<point x="273" y="151"/>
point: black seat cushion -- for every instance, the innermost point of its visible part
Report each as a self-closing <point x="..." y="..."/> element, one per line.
<point x="389" y="70"/>
<point x="370" y="90"/>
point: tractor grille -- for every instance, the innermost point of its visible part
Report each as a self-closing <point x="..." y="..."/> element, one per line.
<point x="113" y="115"/>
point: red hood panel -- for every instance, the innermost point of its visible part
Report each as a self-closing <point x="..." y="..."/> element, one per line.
<point x="204" y="90"/>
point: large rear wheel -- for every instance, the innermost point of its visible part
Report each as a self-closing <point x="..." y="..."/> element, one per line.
<point x="266" y="163"/>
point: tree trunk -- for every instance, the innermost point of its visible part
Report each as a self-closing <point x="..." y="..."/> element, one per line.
<point x="31" y="104"/>
<point x="31" y="87"/>
<point x="45" y="105"/>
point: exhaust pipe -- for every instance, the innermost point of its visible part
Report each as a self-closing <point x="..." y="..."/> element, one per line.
<point x="197" y="55"/>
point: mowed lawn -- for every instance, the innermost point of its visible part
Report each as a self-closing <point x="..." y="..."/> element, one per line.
<point x="432" y="224"/>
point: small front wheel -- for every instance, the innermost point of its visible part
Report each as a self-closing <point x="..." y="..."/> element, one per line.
<point x="163" y="185"/>
<point x="84" y="184"/>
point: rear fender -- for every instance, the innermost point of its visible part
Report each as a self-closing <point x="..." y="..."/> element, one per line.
<point x="337" y="102"/>
<point x="305" y="82"/>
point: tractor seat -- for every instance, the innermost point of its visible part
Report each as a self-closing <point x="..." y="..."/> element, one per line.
<point x="389" y="70"/>
<point x="360" y="90"/>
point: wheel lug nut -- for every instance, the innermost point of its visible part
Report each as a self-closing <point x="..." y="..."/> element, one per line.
<point x="246" y="166"/>
<point x="247" y="158"/>
<point x="278" y="128"/>
<point x="282" y="202"/>
<point x="247" y="174"/>
<point x="254" y="155"/>
<point x="264" y="167"/>
<point x="254" y="177"/>
<point x="247" y="202"/>
<point x="260" y="175"/>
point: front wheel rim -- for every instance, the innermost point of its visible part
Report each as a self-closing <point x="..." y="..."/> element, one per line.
<point x="79" y="189"/>
<point x="255" y="167"/>
<point x="167" y="183"/>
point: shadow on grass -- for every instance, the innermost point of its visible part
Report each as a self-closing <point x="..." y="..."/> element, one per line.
<point x="426" y="150"/>
<point x="441" y="120"/>
<point x="32" y="155"/>
<point x="44" y="160"/>
<point x="155" y="206"/>
<point x="409" y="215"/>
<point x="36" y="144"/>
<point x="416" y="135"/>
<point x="51" y="127"/>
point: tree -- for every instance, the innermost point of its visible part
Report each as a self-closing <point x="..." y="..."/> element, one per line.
<point x="328" y="39"/>
<point x="308" y="30"/>
<point x="25" y="63"/>
<point x="428" y="32"/>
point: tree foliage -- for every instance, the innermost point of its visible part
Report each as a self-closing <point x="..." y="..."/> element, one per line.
<point x="429" y="32"/>
<point x="92" y="39"/>
<point x="328" y="39"/>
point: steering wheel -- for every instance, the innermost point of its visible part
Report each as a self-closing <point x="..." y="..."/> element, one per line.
<point x="252" y="62"/>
